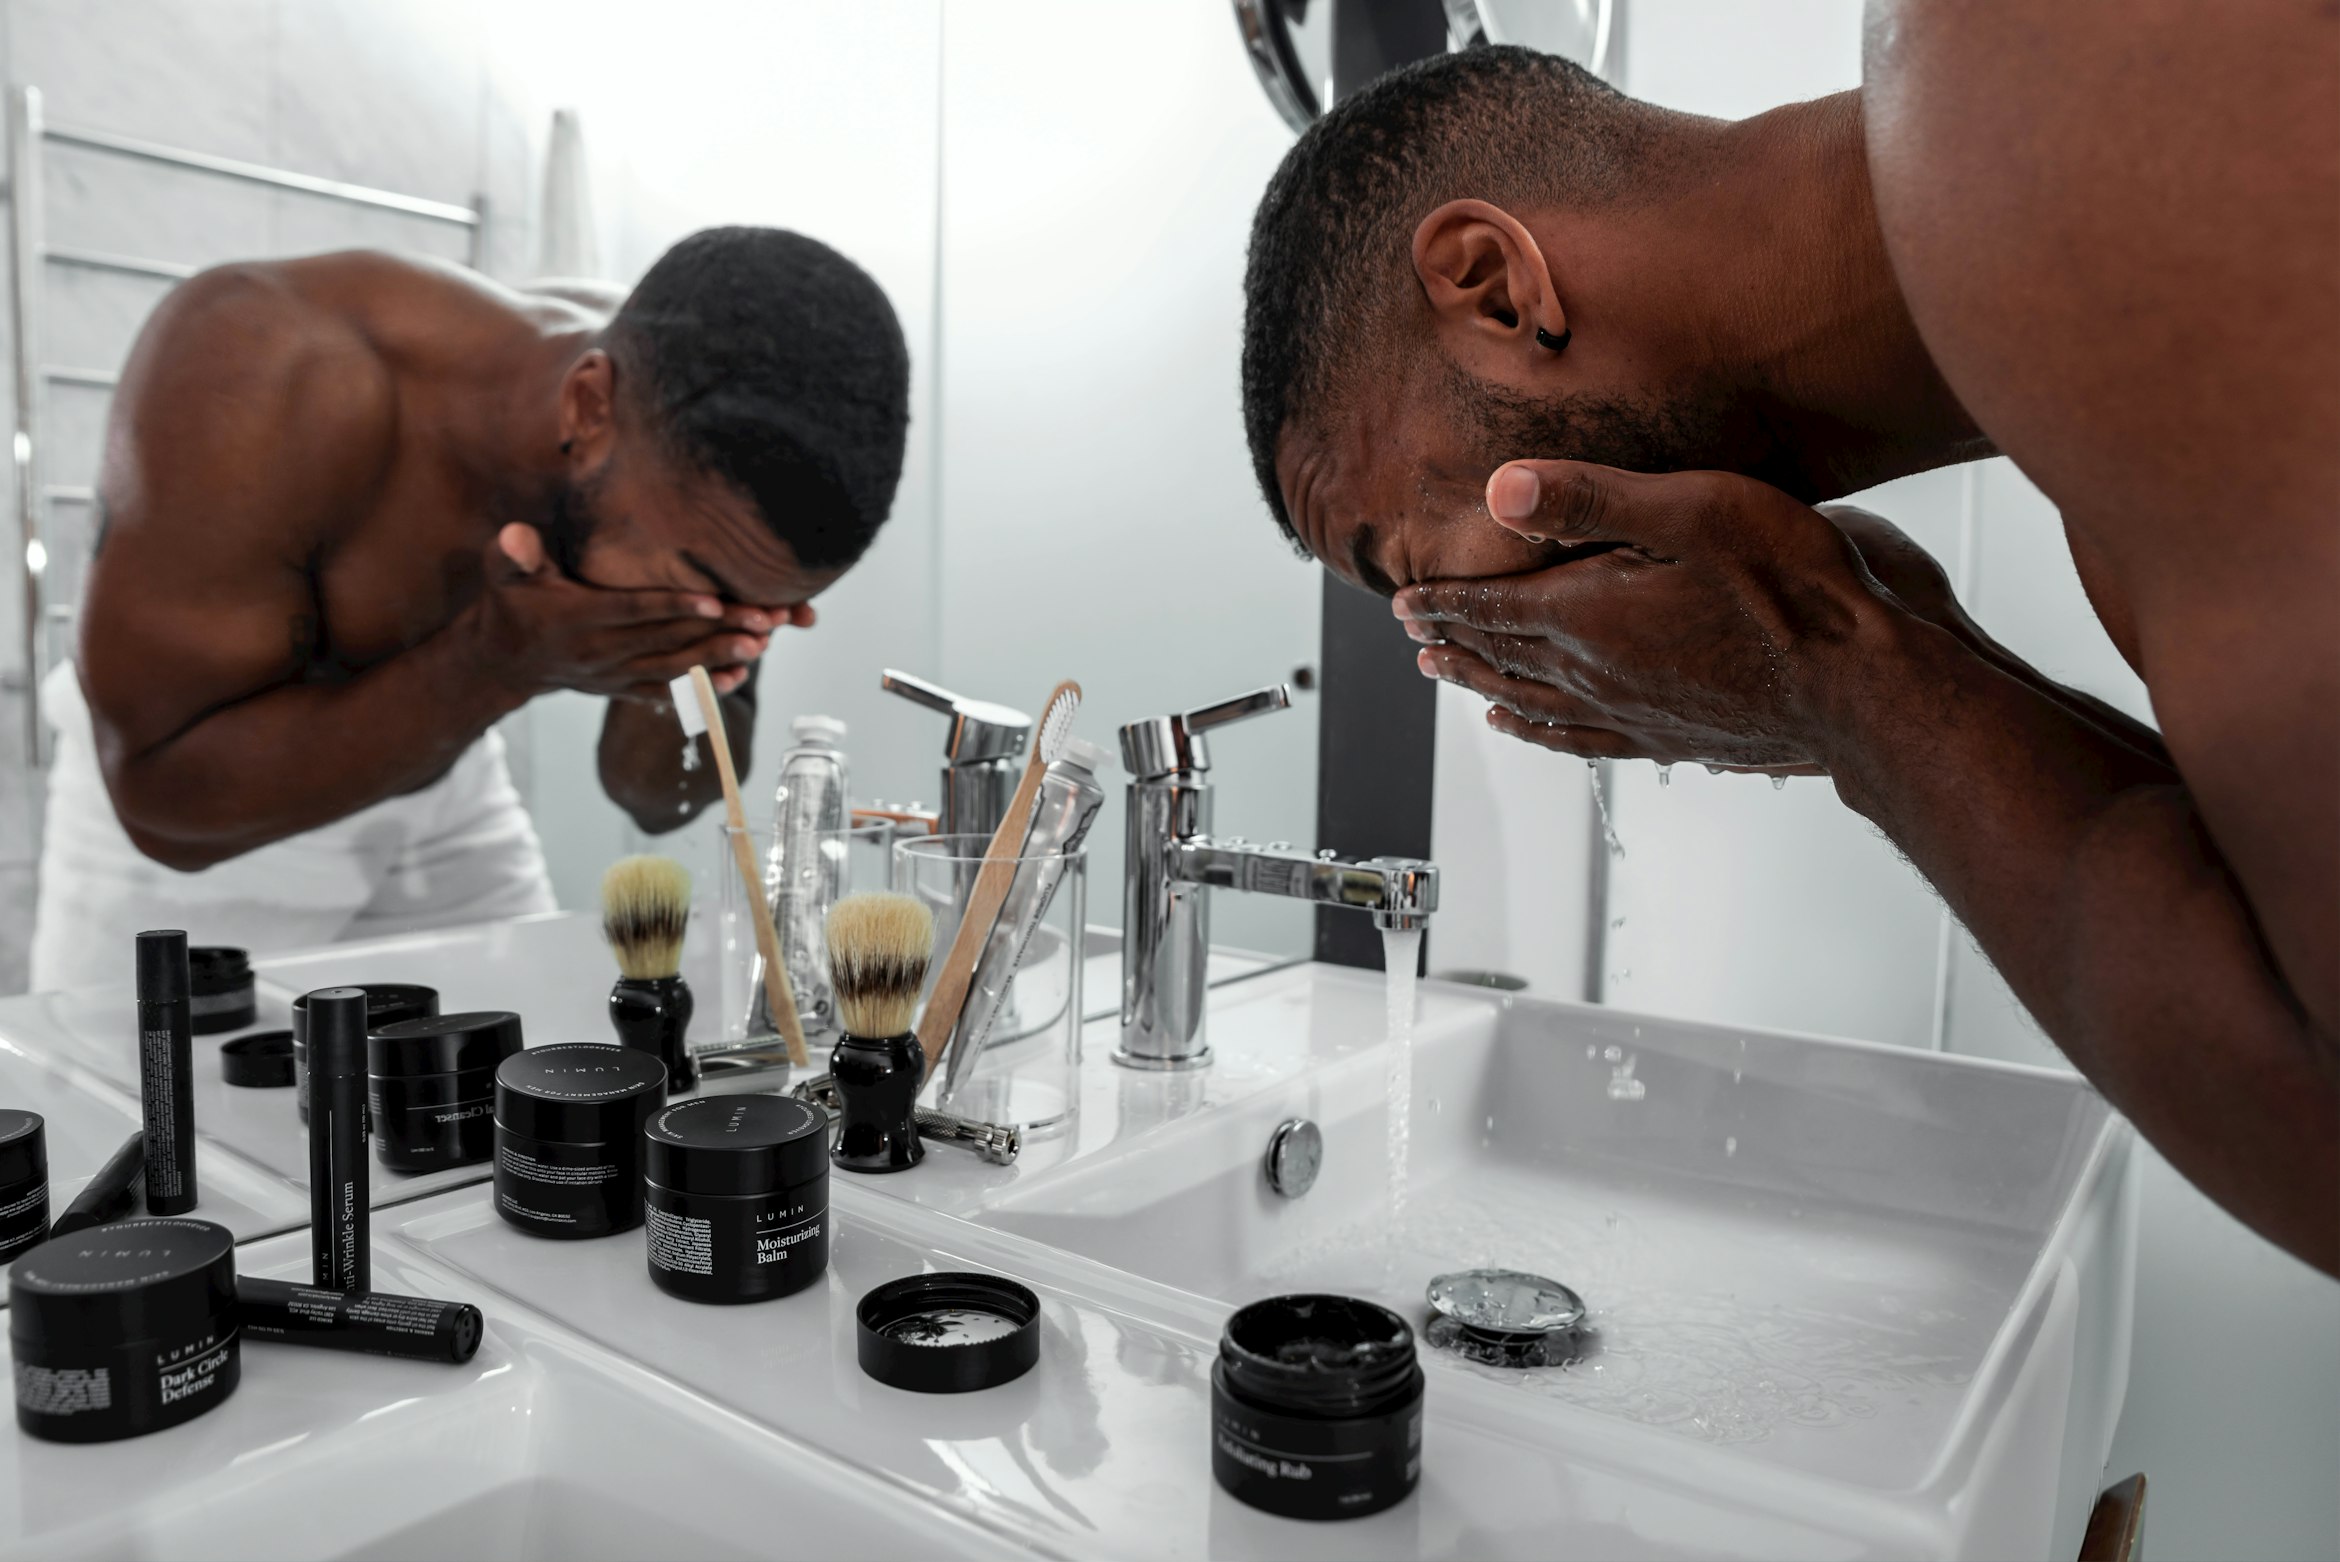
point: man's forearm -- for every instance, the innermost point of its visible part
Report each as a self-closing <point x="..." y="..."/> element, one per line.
<point x="641" y="764"/>
<point x="2082" y="867"/>
<point x="302" y="756"/>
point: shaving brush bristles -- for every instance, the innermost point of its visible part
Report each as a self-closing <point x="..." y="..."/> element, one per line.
<point x="645" y="909"/>
<point x="878" y="949"/>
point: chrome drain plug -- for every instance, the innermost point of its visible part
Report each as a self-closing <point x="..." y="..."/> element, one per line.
<point x="1505" y="1318"/>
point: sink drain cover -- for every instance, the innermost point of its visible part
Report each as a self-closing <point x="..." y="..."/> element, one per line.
<point x="1505" y="1318"/>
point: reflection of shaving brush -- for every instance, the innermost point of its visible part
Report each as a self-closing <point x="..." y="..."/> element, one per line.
<point x="878" y="949"/>
<point x="645" y="908"/>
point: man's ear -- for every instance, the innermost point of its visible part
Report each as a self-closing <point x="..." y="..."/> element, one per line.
<point x="588" y="410"/>
<point x="1488" y="288"/>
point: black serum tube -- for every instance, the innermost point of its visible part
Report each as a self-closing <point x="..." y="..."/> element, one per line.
<point x="371" y="1322"/>
<point x="340" y="1241"/>
<point x="109" y="1195"/>
<point x="166" y="1066"/>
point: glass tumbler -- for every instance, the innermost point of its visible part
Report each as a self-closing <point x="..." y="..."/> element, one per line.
<point x="1015" y="1058"/>
<point x="799" y="896"/>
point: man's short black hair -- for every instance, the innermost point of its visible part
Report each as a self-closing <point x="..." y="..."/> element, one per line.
<point x="772" y="362"/>
<point x="1331" y="246"/>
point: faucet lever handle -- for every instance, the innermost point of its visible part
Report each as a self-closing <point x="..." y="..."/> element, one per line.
<point x="1164" y="745"/>
<point x="1258" y="702"/>
<point x="980" y="730"/>
<point x="919" y="692"/>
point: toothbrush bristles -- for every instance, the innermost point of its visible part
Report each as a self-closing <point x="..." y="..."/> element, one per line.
<point x="1056" y="723"/>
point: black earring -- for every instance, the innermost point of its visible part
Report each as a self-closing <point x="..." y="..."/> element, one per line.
<point x="1558" y="343"/>
<point x="568" y="445"/>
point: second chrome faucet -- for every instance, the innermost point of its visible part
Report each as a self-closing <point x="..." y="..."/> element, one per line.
<point x="1173" y="861"/>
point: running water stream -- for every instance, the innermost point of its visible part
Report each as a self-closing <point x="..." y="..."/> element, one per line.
<point x="1400" y="952"/>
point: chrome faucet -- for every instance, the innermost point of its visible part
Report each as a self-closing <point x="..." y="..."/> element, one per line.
<point x="1173" y="861"/>
<point x="982" y="756"/>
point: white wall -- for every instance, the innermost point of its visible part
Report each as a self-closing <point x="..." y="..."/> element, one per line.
<point x="1101" y="164"/>
<point x="1746" y="905"/>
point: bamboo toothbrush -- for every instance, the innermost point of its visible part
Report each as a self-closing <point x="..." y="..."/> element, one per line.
<point x="743" y="852"/>
<point x="995" y="879"/>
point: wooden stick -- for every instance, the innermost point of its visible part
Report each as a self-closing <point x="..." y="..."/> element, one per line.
<point x="992" y="883"/>
<point x="743" y="851"/>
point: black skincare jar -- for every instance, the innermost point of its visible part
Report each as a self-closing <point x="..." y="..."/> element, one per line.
<point x="737" y="1189"/>
<point x="123" y="1329"/>
<point x="569" y="1137"/>
<point x="219" y="989"/>
<point x="1316" y="1407"/>
<point x="386" y="1004"/>
<point x="431" y="1087"/>
<point x="24" y="1181"/>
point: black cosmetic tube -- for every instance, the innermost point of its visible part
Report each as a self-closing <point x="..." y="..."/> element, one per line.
<point x="340" y="1241"/>
<point x="110" y="1194"/>
<point x="166" y="1084"/>
<point x="369" y="1322"/>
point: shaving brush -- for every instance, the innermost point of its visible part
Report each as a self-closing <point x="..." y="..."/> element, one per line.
<point x="645" y="909"/>
<point x="878" y="949"/>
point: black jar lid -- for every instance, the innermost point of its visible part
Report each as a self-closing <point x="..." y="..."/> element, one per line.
<point x="387" y="1003"/>
<point x="737" y="1145"/>
<point x="114" y="1284"/>
<point x="948" y="1333"/>
<point x="444" y="1043"/>
<point x="24" y="1146"/>
<point x="260" y="1061"/>
<point x="213" y="969"/>
<point x="578" y="1092"/>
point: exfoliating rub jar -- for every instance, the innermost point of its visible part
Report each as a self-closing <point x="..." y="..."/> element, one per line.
<point x="569" y="1137"/>
<point x="431" y="1087"/>
<point x="123" y="1329"/>
<point x="1316" y="1407"/>
<point x="738" y="1194"/>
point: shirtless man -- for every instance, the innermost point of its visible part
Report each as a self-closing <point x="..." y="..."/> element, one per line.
<point x="2103" y="241"/>
<point x="357" y="509"/>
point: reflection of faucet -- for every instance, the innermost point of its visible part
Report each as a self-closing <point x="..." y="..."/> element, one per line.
<point x="1166" y="918"/>
<point x="980" y="757"/>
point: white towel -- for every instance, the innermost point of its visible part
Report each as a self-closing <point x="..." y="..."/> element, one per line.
<point x="460" y="850"/>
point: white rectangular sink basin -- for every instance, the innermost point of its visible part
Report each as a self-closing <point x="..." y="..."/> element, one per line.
<point x="1890" y="1282"/>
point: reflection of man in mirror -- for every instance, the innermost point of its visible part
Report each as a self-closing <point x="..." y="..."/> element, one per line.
<point x="2105" y="242"/>
<point x="357" y="509"/>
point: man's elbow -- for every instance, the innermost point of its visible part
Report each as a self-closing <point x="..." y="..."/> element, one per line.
<point x="177" y="853"/>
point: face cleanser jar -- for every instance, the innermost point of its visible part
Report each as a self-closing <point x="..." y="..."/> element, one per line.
<point x="738" y="1197"/>
<point x="569" y="1137"/>
<point x="1316" y="1407"/>
<point x="431" y="1087"/>
<point x="123" y="1329"/>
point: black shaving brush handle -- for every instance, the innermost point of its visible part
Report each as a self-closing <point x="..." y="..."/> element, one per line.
<point x="877" y="1093"/>
<point x="652" y="1014"/>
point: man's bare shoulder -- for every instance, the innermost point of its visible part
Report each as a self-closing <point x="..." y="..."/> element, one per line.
<point x="254" y="380"/>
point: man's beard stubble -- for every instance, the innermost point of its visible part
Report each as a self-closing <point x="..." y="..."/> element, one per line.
<point x="1683" y="434"/>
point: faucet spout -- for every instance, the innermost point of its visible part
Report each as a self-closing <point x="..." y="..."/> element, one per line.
<point x="1401" y="892"/>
